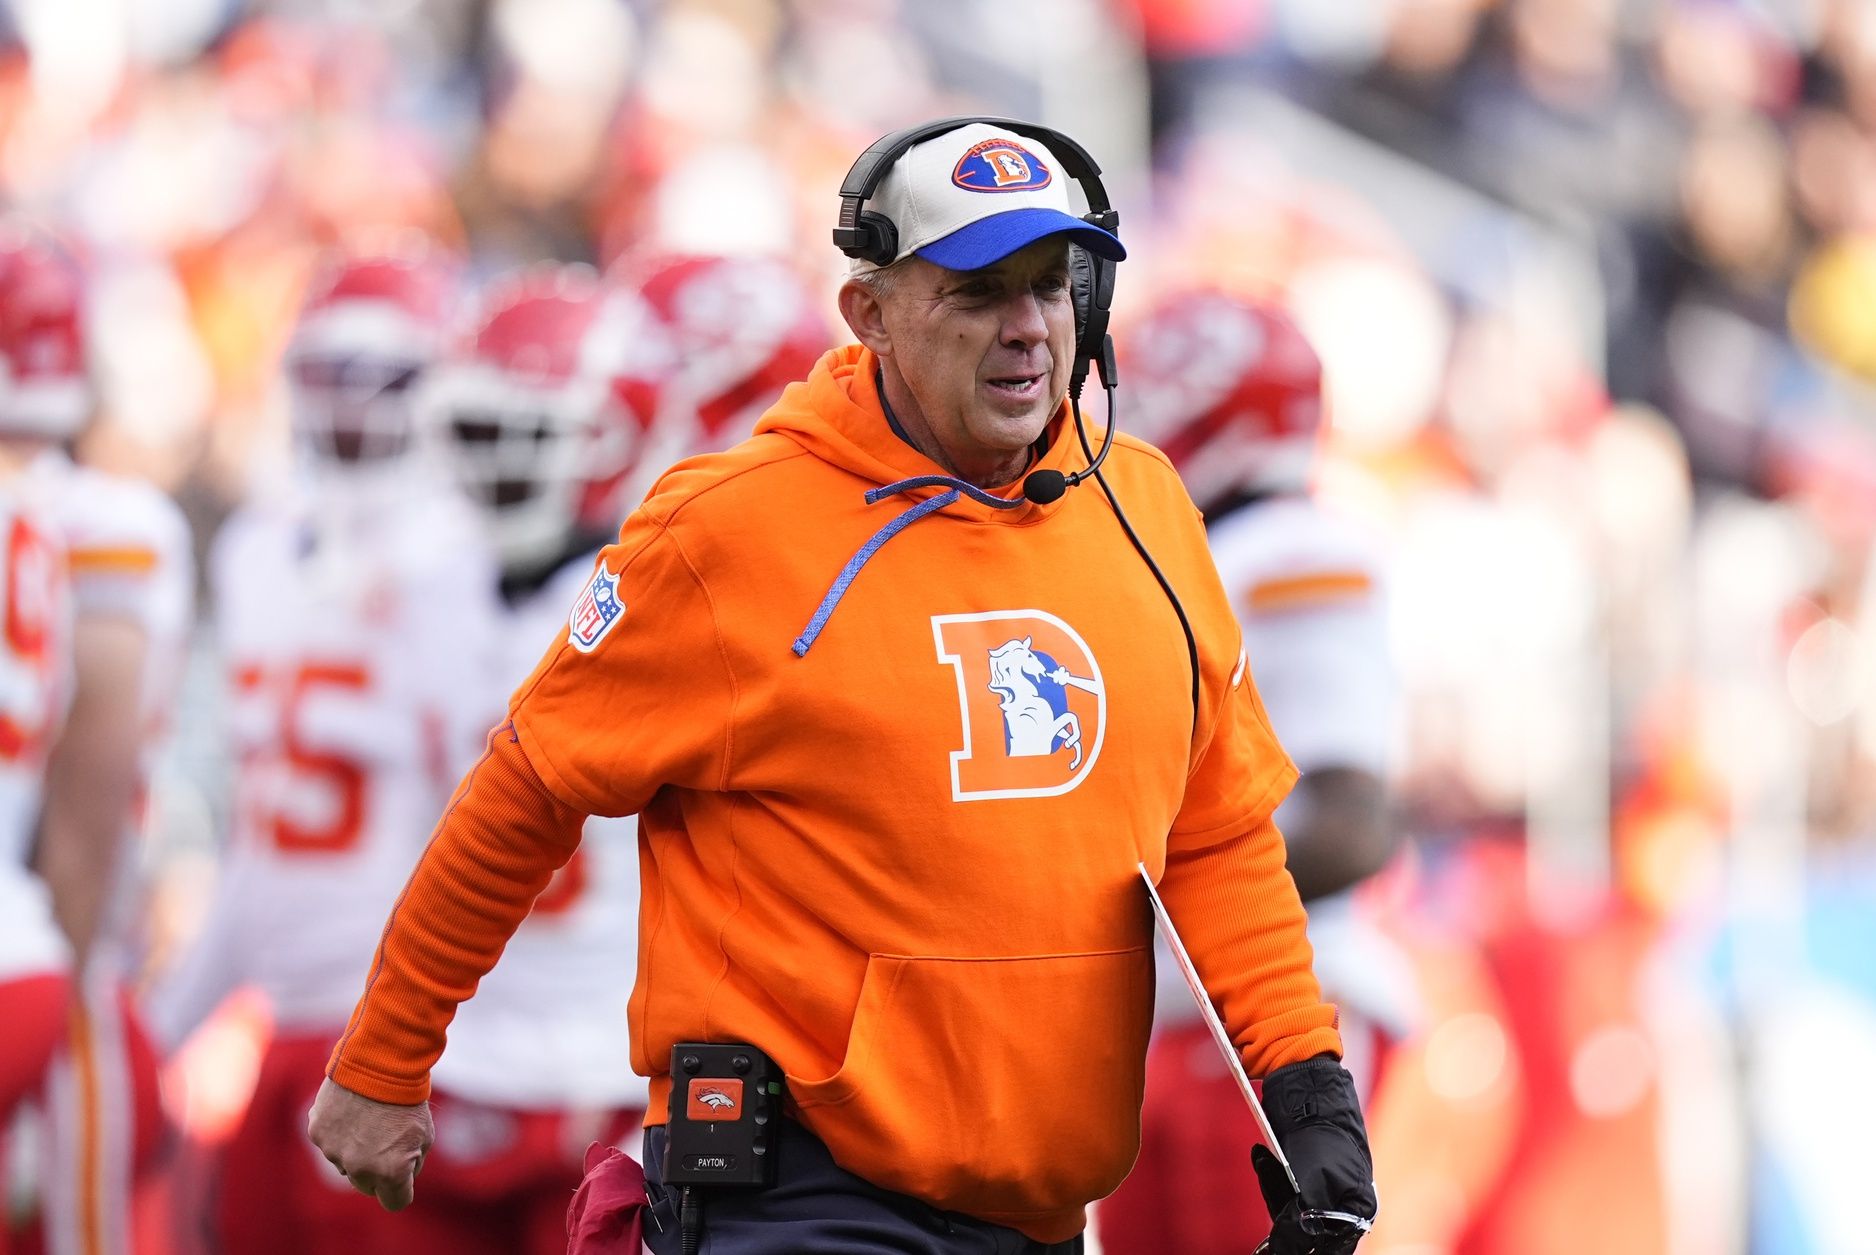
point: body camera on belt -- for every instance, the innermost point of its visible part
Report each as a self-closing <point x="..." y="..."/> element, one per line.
<point x="726" y="1100"/>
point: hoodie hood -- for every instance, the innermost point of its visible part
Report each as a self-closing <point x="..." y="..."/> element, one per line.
<point x="836" y="415"/>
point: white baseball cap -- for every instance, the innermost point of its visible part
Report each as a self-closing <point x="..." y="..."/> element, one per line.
<point x="971" y="197"/>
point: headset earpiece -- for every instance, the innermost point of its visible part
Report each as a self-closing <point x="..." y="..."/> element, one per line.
<point x="881" y="242"/>
<point x="1080" y="288"/>
<point x="1091" y="285"/>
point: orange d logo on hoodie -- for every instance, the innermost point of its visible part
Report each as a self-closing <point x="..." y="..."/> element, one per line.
<point x="1031" y="700"/>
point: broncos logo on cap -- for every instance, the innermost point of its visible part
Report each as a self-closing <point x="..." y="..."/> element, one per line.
<point x="1000" y="165"/>
<point x="1031" y="700"/>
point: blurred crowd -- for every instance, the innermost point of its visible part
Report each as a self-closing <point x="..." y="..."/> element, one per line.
<point x="1594" y="283"/>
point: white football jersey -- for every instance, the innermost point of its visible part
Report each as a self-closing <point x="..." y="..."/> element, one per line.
<point x="547" y="1027"/>
<point x="35" y="685"/>
<point x="1309" y="593"/>
<point x="344" y="669"/>
<point x="1307" y="585"/>
<point x="130" y="556"/>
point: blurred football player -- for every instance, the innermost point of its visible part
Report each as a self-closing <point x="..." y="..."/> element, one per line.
<point x="1232" y="392"/>
<point x="35" y="686"/>
<point x="132" y="591"/>
<point x="348" y="638"/>
<point x="539" y="419"/>
<point x="740" y="330"/>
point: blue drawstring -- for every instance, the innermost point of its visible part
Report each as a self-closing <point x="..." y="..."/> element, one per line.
<point x="931" y="505"/>
<point x="805" y="641"/>
<point x="972" y="491"/>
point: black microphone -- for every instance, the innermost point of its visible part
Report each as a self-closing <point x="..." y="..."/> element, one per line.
<point x="1043" y="487"/>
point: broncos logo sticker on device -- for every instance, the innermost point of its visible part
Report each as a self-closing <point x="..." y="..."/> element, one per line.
<point x="997" y="165"/>
<point x="596" y="611"/>
<point x="1031" y="699"/>
<point x="718" y="1098"/>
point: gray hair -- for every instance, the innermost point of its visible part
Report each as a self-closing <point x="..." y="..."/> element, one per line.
<point x="879" y="280"/>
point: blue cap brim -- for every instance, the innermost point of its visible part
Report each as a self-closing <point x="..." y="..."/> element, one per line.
<point x="989" y="240"/>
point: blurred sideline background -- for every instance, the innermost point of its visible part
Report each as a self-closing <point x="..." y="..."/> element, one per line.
<point x="1595" y="286"/>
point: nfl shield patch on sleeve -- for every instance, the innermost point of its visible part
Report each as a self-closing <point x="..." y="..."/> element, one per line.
<point x="596" y="611"/>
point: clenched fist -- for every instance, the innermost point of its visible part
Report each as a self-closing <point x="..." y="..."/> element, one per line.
<point x="378" y="1147"/>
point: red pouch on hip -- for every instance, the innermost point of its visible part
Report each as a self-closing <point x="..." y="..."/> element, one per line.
<point x="607" y="1215"/>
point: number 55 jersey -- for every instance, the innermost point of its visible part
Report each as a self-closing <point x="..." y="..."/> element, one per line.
<point x="344" y="665"/>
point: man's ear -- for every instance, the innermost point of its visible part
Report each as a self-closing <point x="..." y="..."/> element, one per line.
<point x="866" y="316"/>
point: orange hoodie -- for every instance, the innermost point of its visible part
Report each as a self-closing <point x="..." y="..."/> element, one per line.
<point x="889" y="828"/>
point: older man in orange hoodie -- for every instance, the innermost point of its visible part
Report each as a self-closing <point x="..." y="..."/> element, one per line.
<point x="900" y="713"/>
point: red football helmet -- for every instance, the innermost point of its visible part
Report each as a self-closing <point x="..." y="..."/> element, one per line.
<point x="45" y="386"/>
<point x="742" y="329"/>
<point x="1229" y="390"/>
<point x="370" y="326"/>
<point x="543" y="410"/>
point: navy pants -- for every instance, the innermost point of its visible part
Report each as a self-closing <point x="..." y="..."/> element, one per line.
<point x="817" y="1206"/>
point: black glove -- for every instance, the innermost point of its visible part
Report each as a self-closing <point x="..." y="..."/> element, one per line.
<point x="1313" y="1110"/>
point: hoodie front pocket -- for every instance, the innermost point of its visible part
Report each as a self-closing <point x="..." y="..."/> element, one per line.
<point x="1006" y="1086"/>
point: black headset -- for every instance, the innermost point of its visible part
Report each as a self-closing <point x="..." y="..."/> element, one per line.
<point x="869" y="235"/>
